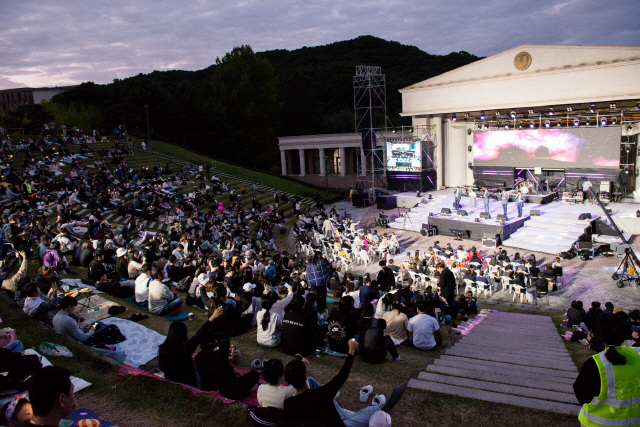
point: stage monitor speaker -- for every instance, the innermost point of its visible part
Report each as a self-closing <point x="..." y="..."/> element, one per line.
<point x="585" y="216"/>
<point x="585" y="245"/>
<point x="489" y="243"/>
<point x="534" y="212"/>
<point x="485" y="215"/>
<point x="462" y="212"/>
<point x="490" y="236"/>
<point x="446" y="211"/>
<point x="386" y="202"/>
<point x="501" y="217"/>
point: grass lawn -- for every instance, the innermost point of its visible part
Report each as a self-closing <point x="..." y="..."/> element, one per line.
<point x="136" y="401"/>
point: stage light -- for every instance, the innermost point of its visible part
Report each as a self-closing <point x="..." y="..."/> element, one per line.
<point x="614" y="120"/>
<point x="513" y="114"/>
<point x="569" y="109"/>
<point x="470" y="165"/>
<point x="629" y="128"/>
<point x="576" y="122"/>
<point x="466" y="115"/>
<point x="627" y="148"/>
<point x="394" y="130"/>
<point x="531" y="111"/>
<point x="453" y="117"/>
<point x="411" y="129"/>
<point x="603" y="121"/>
<point x="469" y="131"/>
<point x="497" y="113"/>
<point x="588" y="121"/>
<point x="612" y="105"/>
<point x="506" y="125"/>
<point x="547" y="123"/>
<point x="520" y="124"/>
<point x="552" y="111"/>
<point x="531" y="124"/>
<point x="484" y="126"/>
<point x="626" y="169"/>
<point x="482" y="115"/>
<point x="559" y="122"/>
<point x="637" y="105"/>
<point x="469" y="148"/>
<point x="592" y="108"/>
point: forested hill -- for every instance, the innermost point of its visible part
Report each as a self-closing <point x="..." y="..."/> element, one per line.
<point x="237" y="107"/>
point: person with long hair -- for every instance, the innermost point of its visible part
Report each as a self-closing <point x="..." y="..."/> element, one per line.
<point x="273" y="393"/>
<point x="606" y="385"/>
<point x="175" y="353"/>
<point x="396" y="321"/>
<point x="17" y="411"/>
<point x="269" y="324"/>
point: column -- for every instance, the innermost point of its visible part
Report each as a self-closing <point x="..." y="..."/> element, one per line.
<point x="303" y="163"/>
<point x="436" y="121"/>
<point x="283" y="160"/>
<point x="323" y="164"/>
<point x="343" y="161"/>
<point x="363" y="163"/>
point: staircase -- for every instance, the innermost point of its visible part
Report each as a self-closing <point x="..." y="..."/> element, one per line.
<point x="548" y="234"/>
<point x="507" y="358"/>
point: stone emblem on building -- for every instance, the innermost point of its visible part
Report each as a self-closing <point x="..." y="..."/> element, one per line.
<point x="522" y="61"/>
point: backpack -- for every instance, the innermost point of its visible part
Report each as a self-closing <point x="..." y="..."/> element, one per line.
<point x="372" y="337"/>
<point x="184" y="284"/>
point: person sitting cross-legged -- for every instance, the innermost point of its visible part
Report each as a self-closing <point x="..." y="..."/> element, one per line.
<point x="42" y="308"/>
<point x="65" y="323"/>
<point x="112" y="286"/>
<point x="161" y="300"/>
<point x="374" y="345"/>
<point x="317" y="403"/>
<point x="424" y="329"/>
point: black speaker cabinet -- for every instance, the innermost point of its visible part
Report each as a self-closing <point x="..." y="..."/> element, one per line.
<point x="357" y="200"/>
<point x="489" y="243"/>
<point x="462" y="212"/>
<point x="386" y="202"/>
<point x="485" y="215"/>
<point x="501" y="217"/>
<point x="534" y="212"/>
<point x="585" y="216"/>
<point x="446" y="211"/>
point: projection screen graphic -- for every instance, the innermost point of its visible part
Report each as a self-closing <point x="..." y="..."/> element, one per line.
<point x="551" y="148"/>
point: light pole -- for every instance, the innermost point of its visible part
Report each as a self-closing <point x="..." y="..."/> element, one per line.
<point x="326" y="173"/>
<point x="146" y="109"/>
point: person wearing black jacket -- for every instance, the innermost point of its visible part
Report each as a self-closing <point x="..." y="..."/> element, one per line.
<point x="112" y="286"/>
<point x="447" y="282"/>
<point x="175" y="355"/>
<point x="95" y="266"/>
<point x="386" y="279"/>
<point x="232" y="323"/>
<point x="14" y="234"/>
<point x="297" y="335"/>
<point x="122" y="264"/>
<point x="386" y="344"/>
<point x="216" y="373"/>
<point x="594" y="312"/>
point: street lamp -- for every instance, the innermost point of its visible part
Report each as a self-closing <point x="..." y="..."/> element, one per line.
<point x="326" y="173"/>
<point x="146" y="109"/>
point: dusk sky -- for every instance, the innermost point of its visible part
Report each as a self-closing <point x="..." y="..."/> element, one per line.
<point x="66" y="42"/>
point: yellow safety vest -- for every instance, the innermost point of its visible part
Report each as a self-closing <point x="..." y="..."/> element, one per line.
<point x="618" y="403"/>
<point x="28" y="187"/>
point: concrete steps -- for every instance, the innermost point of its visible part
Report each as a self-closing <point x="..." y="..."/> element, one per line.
<point x="507" y="358"/>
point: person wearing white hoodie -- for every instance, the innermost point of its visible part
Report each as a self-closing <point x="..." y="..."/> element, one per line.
<point x="42" y="308"/>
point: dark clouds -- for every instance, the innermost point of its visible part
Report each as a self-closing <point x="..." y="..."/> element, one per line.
<point x="68" y="42"/>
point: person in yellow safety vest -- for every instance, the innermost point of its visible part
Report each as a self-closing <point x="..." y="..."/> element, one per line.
<point x="608" y="385"/>
<point x="27" y="189"/>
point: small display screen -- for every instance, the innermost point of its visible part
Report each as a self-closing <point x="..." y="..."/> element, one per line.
<point x="404" y="156"/>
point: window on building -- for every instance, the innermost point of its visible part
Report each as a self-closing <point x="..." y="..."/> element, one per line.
<point x="316" y="162"/>
<point x="337" y="165"/>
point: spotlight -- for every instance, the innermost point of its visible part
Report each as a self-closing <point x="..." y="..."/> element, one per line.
<point x="588" y="121"/>
<point x="547" y="123"/>
<point x="470" y="165"/>
<point x="629" y="128"/>
<point x="520" y="124"/>
<point x="576" y="122"/>
<point x="637" y="105"/>
<point x="559" y="122"/>
<point x="469" y="131"/>
<point x="531" y="111"/>
<point x="627" y="148"/>
<point x="466" y="115"/>
<point x="612" y="105"/>
<point x="614" y="120"/>
<point x="484" y="126"/>
<point x="497" y="113"/>
<point x="603" y="121"/>
<point x="531" y="124"/>
<point x="411" y="129"/>
<point x="569" y="109"/>
<point x="453" y="117"/>
<point x="626" y="169"/>
<point x="506" y="125"/>
<point x="469" y="148"/>
<point x="551" y="111"/>
<point x="482" y="115"/>
<point x="513" y="114"/>
<point x="394" y="130"/>
<point x="592" y="108"/>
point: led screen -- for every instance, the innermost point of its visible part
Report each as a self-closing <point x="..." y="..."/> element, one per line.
<point x="404" y="156"/>
<point x="551" y="148"/>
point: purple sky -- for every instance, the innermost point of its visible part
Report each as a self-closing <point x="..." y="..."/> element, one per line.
<point x="67" y="42"/>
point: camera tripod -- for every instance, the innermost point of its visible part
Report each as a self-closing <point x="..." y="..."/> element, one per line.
<point x="406" y="217"/>
<point x="627" y="271"/>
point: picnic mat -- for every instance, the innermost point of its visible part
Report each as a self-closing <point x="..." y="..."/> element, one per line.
<point x="331" y="300"/>
<point x="141" y="344"/>
<point x="251" y="398"/>
<point x="181" y="315"/>
<point x="83" y="417"/>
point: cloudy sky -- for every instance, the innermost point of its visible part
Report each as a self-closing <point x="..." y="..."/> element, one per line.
<point x="70" y="41"/>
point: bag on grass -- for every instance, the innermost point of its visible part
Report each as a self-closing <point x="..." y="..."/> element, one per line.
<point x="52" y="349"/>
<point x="184" y="284"/>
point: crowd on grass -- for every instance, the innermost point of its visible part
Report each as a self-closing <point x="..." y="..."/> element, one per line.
<point x="219" y="256"/>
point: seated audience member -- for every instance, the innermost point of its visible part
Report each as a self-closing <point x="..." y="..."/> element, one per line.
<point x="317" y="403"/>
<point x="366" y="291"/>
<point x="142" y="285"/>
<point x="396" y="322"/>
<point x="591" y="316"/>
<point x="297" y="335"/>
<point x="96" y="266"/>
<point x="51" y="395"/>
<point x="122" y="263"/>
<point x="175" y="354"/>
<point x="39" y="307"/>
<point x="161" y="300"/>
<point x="112" y="286"/>
<point x="269" y="325"/>
<point x="273" y="393"/>
<point x="66" y="323"/>
<point x="175" y="272"/>
<point x="11" y="280"/>
<point x="575" y="314"/>
<point x="216" y="373"/>
<point x="342" y="325"/>
<point x="374" y="345"/>
<point x="232" y="322"/>
<point x="424" y="329"/>
<point x="17" y="411"/>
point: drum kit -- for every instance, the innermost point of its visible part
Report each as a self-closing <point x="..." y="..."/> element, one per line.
<point x="526" y="186"/>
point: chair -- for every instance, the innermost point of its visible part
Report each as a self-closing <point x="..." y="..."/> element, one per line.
<point x="506" y="282"/>
<point x="558" y="272"/>
<point x="517" y="290"/>
<point x="481" y="286"/>
<point x="470" y="284"/>
<point x="542" y="294"/>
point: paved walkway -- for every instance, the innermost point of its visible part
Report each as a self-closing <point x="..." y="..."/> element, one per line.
<point x="509" y="358"/>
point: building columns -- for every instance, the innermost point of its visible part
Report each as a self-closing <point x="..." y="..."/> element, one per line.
<point x="436" y="122"/>
<point x="343" y="166"/>
<point x="323" y="164"/>
<point x="303" y="162"/>
<point x="283" y="160"/>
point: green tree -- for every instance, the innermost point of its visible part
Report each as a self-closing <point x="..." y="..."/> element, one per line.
<point x="245" y="91"/>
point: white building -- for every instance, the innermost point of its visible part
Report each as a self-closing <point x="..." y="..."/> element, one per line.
<point x="527" y="77"/>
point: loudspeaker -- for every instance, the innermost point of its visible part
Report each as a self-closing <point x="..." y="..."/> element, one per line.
<point x="485" y="215"/>
<point x="534" y="212"/>
<point x="501" y="217"/>
<point x="585" y="216"/>
<point x="358" y="200"/>
<point x="489" y="235"/>
<point x="446" y="211"/>
<point x="462" y="212"/>
<point x="386" y="202"/>
<point x="424" y="232"/>
<point x="489" y="243"/>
